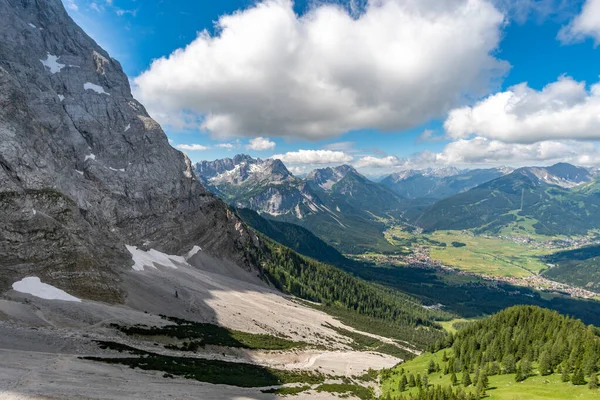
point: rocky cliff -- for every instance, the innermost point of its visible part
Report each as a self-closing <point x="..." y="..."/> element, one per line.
<point x="84" y="170"/>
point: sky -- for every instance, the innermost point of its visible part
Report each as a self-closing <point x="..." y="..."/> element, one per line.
<point x="384" y="85"/>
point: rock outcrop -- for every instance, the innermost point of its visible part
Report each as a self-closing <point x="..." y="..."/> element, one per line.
<point x="84" y="170"/>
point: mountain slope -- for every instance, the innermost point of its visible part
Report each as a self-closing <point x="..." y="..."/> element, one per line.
<point x="533" y="197"/>
<point x="293" y="236"/>
<point x="84" y="169"/>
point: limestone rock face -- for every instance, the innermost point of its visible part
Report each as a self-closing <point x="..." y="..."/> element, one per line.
<point x="84" y="170"/>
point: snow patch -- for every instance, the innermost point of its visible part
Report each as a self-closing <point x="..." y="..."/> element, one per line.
<point x="96" y="88"/>
<point x="90" y="156"/>
<point x="79" y="172"/>
<point x="117" y="170"/>
<point x="33" y="286"/>
<point x="61" y="97"/>
<point x="51" y="62"/>
<point x="32" y="25"/>
<point x="33" y="211"/>
<point x="151" y="257"/>
<point x="127" y="127"/>
<point x="193" y="252"/>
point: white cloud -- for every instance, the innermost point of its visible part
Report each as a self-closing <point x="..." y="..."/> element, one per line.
<point x="429" y="136"/>
<point x="564" y="109"/>
<point x="482" y="151"/>
<point x="71" y="5"/>
<point x="226" y="146"/>
<point x="380" y="162"/>
<point x="192" y="147"/>
<point x="314" y="157"/>
<point x="347" y="147"/>
<point x="260" y="144"/>
<point x="585" y="24"/>
<point x="269" y="71"/>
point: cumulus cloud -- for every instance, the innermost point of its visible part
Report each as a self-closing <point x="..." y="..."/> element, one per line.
<point x="391" y="66"/>
<point x="314" y="157"/>
<point x="380" y="162"/>
<point x="226" y="146"/>
<point x="192" y="147"/>
<point x="564" y="109"/>
<point x="485" y="151"/>
<point x="260" y="144"/>
<point x="585" y="24"/>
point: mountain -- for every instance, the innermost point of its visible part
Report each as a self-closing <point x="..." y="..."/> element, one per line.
<point x="438" y="184"/>
<point x="84" y="170"/>
<point x="348" y="191"/>
<point x="543" y="200"/>
<point x="293" y="236"/>
<point x="339" y="205"/>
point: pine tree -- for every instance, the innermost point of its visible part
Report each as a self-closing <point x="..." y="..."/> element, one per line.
<point x="444" y="356"/>
<point x="593" y="383"/>
<point x="402" y="384"/>
<point x="545" y="363"/>
<point x="480" y="389"/>
<point x="466" y="379"/>
<point x="565" y="377"/>
<point x="578" y="378"/>
<point x="483" y="378"/>
<point x="509" y="364"/>
<point x="419" y="381"/>
<point x="431" y="367"/>
<point x="411" y="381"/>
<point x="453" y="379"/>
<point x="425" y="380"/>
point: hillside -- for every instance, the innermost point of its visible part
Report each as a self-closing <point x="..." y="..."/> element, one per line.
<point x="293" y="236"/>
<point x="519" y="350"/>
<point x="578" y="267"/>
<point x="528" y="201"/>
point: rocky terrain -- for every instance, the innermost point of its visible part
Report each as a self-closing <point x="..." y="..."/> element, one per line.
<point x="84" y="169"/>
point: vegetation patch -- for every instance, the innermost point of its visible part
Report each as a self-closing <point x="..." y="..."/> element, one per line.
<point x="287" y="391"/>
<point x="201" y="334"/>
<point x="347" y="389"/>
<point x="212" y="371"/>
<point x="522" y="352"/>
<point x="362" y="342"/>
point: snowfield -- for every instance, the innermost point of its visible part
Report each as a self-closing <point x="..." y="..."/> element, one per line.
<point x="34" y="286"/>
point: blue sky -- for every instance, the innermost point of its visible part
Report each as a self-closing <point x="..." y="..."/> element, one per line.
<point x="537" y="43"/>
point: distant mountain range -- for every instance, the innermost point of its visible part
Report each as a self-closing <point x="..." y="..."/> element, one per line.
<point x="338" y="204"/>
<point x="350" y="212"/>
<point x="561" y="199"/>
<point x="439" y="184"/>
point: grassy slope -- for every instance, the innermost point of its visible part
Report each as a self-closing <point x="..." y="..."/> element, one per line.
<point x="502" y="387"/>
<point x="489" y="256"/>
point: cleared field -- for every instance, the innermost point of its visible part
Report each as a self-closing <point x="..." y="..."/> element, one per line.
<point x="501" y="387"/>
<point x="483" y="255"/>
